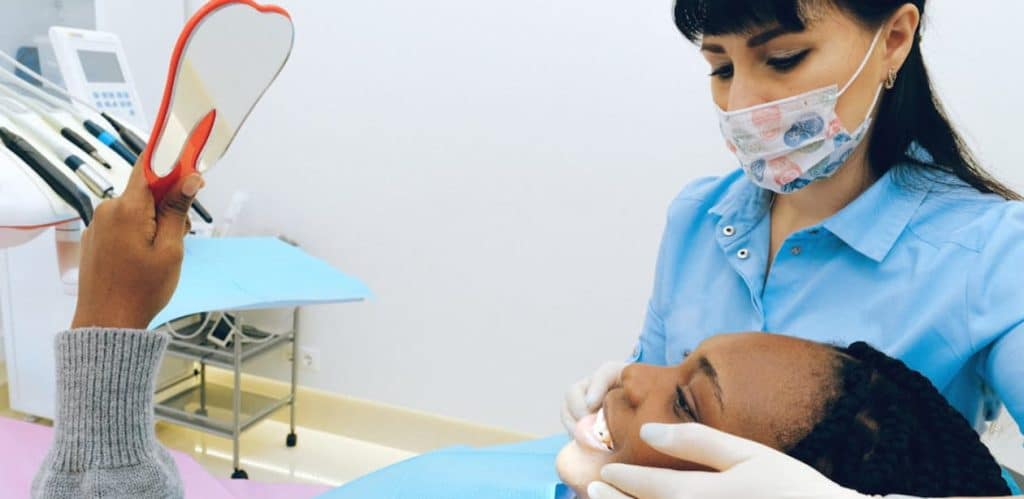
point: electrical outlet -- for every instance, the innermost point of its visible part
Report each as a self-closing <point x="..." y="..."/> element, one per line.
<point x="309" y="358"/>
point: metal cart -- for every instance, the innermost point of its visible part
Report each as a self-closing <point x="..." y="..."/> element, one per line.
<point x="194" y="406"/>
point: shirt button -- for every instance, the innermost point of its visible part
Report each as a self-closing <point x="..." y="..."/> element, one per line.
<point x="743" y="254"/>
<point x="795" y="251"/>
<point x="729" y="230"/>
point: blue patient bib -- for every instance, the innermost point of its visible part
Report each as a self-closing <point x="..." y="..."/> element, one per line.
<point x="519" y="471"/>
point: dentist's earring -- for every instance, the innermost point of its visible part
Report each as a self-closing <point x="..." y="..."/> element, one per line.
<point x="890" y="81"/>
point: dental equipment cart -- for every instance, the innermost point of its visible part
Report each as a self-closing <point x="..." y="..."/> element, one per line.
<point x="235" y="274"/>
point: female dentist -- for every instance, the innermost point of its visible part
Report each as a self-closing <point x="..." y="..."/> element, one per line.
<point x="858" y="214"/>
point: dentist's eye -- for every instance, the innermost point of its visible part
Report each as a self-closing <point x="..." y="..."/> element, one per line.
<point x="682" y="406"/>
<point x="785" y="63"/>
<point x="723" y="72"/>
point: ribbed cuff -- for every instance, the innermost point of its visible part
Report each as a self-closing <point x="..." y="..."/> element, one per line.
<point x="105" y="384"/>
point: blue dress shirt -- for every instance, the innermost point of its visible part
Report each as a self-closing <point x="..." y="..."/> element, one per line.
<point x="922" y="267"/>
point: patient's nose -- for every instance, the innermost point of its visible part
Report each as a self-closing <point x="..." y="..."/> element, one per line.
<point x="638" y="380"/>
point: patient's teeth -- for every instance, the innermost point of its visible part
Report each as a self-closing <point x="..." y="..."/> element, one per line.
<point x="601" y="431"/>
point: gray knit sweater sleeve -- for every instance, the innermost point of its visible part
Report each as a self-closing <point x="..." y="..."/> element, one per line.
<point x="104" y="442"/>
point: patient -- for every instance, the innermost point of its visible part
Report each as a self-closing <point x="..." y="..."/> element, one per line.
<point x="863" y="419"/>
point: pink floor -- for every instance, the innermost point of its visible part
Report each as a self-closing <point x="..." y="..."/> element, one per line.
<point x="25" y="444"/>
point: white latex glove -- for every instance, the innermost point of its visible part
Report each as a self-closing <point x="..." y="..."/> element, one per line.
<point x="747" y="469"/>
<point x="585" y="396"/>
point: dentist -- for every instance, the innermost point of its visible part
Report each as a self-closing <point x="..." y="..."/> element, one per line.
<point x="858" y="214"/>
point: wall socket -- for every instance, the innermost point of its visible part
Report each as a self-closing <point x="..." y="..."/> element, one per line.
<point x="309" y="358"/>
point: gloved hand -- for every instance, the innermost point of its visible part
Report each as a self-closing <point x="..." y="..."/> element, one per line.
<point x="747" y="469"/>
<point x="585" y="396"/>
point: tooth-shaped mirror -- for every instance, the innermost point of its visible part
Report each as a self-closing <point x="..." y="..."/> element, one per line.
<point x="225" y="59"/>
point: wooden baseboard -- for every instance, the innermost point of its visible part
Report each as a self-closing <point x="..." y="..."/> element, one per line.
<point x="383" y="424"/>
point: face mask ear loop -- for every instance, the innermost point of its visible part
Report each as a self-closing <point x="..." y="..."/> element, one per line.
<point x="863" y="62"/>
<point x="878" y="94"/>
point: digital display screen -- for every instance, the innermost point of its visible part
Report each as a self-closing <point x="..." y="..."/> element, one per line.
<point x="101" y="67"/>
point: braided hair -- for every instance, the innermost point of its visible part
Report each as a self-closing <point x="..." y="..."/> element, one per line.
<point x="889" y="431"/>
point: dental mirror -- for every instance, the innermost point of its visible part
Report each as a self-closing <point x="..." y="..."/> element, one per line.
<point x="226" y="57"/>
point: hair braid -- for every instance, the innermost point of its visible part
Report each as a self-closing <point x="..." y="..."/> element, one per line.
<point x="889" y="431"/>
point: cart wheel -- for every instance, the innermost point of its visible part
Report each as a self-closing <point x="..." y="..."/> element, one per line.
<point x="291" y="440"/>
<point x="239" y="475"/>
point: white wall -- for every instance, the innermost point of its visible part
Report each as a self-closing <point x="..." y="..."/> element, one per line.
<point x="973" y="52"/>
<point x="498" y="172"/>
<point x="24" y="20"/>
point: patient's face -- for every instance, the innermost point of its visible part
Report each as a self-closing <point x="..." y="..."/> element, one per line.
<point x="763" y="387"/>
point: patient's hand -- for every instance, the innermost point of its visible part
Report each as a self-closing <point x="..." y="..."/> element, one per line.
<point x="132" y="254"/>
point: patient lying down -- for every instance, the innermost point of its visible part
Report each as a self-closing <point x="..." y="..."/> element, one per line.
<point x="863" y="419"/>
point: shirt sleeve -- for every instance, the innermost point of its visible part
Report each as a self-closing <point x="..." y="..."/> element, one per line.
<point x="104" y="443"/>
<point x="650" y="349"/>
<point x="995" y="309"/>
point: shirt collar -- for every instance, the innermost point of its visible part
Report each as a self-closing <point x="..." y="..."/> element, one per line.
<point x="742" y="205"/>
<point x="870" y="224"/>
<point x="873" y="222"/>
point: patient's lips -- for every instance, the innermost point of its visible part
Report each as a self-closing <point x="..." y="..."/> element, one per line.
<point x="592" y="432"/>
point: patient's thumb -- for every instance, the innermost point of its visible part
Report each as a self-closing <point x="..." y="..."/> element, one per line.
<point x="172" y="215"/>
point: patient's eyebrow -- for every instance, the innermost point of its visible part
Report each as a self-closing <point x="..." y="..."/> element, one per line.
<point x="709" y="370"/>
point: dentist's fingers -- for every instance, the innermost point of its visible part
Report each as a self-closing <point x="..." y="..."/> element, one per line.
<point x="606" y="376"/>
<point x="586" y="395"/>
<point x="568" y="421"/>
<point x="599" y="490"/>
<point x="653" y="483"/>
<point x="700" y="444"/>
<point x="576" y="398"/>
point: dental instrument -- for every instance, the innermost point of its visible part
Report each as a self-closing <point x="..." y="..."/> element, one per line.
<point x="133" y="141"/>
<point x="110" y="141"/>
<point x="92" y="179"/>
<point x="30" y="122"/>
<point x="60" y="120"/>
<point x="60" y="184"/>
<point x="62" y="113"/>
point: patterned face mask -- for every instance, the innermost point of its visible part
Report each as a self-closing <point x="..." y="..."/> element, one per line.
<point x="786" y="144"/>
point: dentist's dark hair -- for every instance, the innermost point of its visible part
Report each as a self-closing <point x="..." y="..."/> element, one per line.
<point x="909" y="113"/>
<point x="888" y="430"/>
